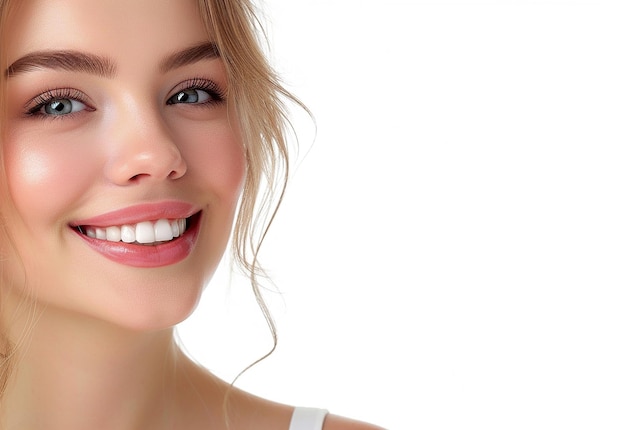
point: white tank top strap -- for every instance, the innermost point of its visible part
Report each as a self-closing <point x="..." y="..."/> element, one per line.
<point x="307" y="419"/>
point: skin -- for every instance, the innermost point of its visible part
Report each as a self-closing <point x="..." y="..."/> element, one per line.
<point x="103" y="338"/>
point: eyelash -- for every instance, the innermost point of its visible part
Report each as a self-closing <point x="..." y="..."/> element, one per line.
<point x="217" y="95"/>
<point x="35" y="106"/>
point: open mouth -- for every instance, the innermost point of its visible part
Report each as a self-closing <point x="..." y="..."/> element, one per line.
<point x="149" y="233"/>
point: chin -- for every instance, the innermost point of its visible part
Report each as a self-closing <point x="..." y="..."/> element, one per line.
<point x="128" y="301"/>
<point x="157" y="309"/>
<point x="149" y="320"/>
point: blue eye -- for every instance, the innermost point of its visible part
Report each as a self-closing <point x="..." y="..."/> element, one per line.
<point x="58" y="103"/>
<point x="190" y="95"/>
<point x="59" y="107"/>
<point x="199" y="92"/>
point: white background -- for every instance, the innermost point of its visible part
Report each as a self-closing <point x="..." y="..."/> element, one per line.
<point x="452" y="249"/>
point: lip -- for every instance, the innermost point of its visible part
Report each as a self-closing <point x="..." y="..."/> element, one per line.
<point x="145" y="256"/>
<point x="139" y="213"/>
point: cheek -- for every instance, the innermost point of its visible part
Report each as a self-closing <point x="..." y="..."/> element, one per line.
<point x="29" y="170"/>
<point x="43" y="177"/>
<point x="217" y="156"/>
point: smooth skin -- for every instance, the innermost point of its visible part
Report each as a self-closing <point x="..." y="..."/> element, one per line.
<point x="81" y="143"/>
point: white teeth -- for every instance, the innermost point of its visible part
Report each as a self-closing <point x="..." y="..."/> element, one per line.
<point x="101" y="233"/>
<point x="146" y="232"/>
<point x="114" y="234"/>
<point x="175" y="229"/>
<point x="163" y="231"/>
<point x="127" y="234"/>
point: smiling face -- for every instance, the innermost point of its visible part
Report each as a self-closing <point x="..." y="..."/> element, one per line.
<point x="122" y="157"/>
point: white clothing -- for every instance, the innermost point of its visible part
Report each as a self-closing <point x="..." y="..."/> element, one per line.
<point x="307" y="419"/>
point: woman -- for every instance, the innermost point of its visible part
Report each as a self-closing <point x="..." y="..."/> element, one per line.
<point x="132" y="134"/>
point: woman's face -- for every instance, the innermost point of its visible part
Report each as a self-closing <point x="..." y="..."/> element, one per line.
<point x="117" y="130"/>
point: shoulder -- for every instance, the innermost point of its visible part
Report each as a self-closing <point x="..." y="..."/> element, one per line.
<point x="335" y="422"/>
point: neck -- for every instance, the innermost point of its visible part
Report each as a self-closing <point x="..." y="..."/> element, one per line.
<point x="72" y="372"/>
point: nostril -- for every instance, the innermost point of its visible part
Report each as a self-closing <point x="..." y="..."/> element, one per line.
<point x="135" y="178"/>
<point x="139" y="161"/>
<point x="175" y="174"/>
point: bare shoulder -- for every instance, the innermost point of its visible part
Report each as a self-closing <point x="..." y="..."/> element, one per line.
<point x="335" y="422"/>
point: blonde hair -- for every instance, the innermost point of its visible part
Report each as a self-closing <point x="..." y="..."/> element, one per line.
<point x="259" y="99"/>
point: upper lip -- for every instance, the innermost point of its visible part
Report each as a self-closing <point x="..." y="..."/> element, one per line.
<point x="141" y="212"/>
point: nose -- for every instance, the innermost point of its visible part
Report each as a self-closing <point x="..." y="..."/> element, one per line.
<point x="144" y="150"/>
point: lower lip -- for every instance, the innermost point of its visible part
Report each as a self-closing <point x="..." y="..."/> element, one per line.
<point x="131" y="254"/>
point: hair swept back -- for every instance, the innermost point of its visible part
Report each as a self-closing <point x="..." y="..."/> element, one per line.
<point x="259" y="96"/>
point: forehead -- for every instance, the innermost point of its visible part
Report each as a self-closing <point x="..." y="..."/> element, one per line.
<point x="129" y="29"/>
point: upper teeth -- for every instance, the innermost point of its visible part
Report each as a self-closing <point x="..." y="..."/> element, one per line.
<point x="145" y="232"/>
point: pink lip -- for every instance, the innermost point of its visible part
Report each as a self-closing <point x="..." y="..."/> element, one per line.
<point x="138" y="213"/>
<point x="135" y="255"/>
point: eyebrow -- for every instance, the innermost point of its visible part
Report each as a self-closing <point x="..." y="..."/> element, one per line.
<point x="76" y="61"/>
<point x="202" y="51"/>
<point x="62" y="60"/>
